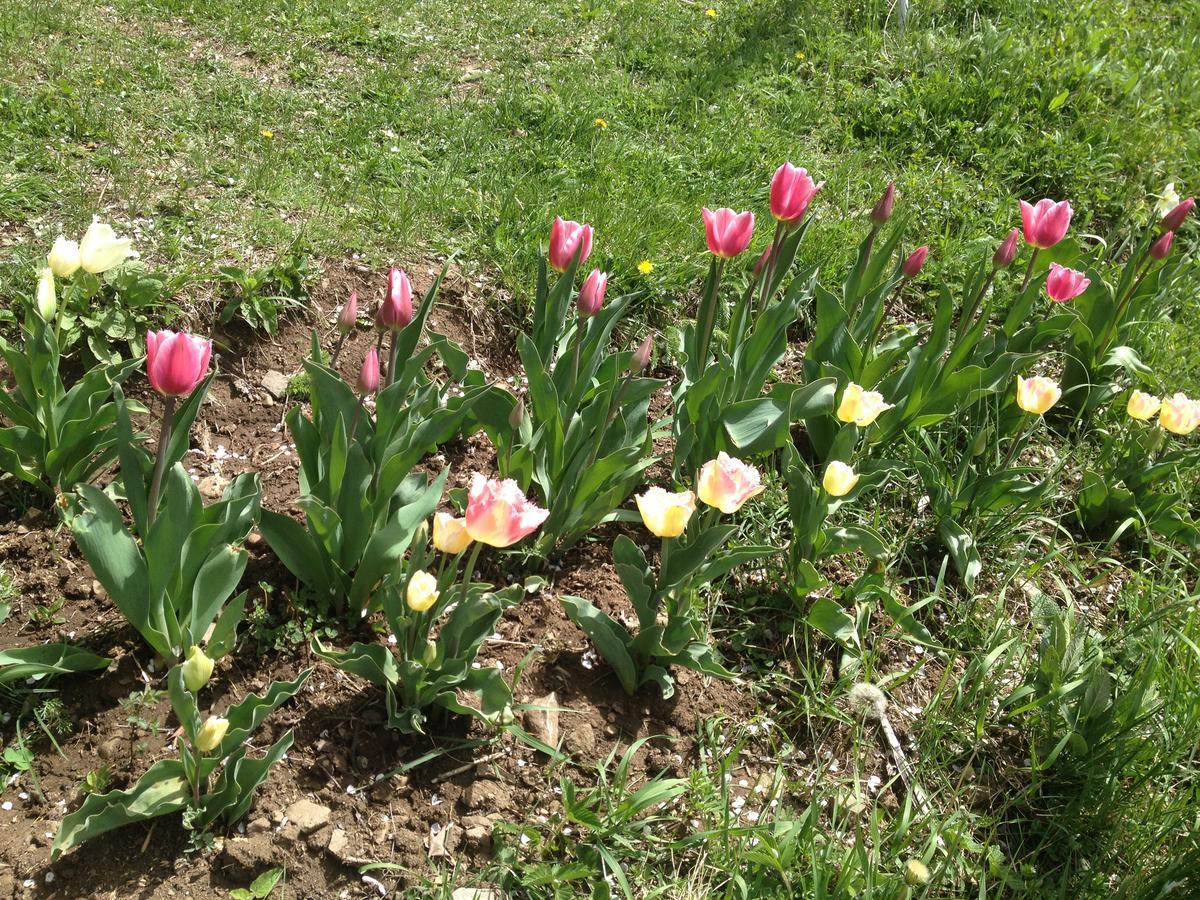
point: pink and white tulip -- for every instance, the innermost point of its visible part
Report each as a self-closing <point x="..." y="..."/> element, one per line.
<point x="727" y="483"/>
<point x="591" y="295"/>
<point x="566" y="239"/>
<point x="368" y="375"/>
<point x="1046" y="223"/>
<point x="915" y="261"/>
<point x="176" y="362"/>
<point x="728" y="232"/>
<point x="792" y="189"/>
<point x="1172" y="220"/>
<point x="396" y="310"/>
<point x="1063" y="284"/>
<point x="498" y="512"/>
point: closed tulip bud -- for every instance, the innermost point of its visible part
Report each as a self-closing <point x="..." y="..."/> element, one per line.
<point x="916" y="873"/>
<point x="47" y="299"/>
<point x="1063" y="284"/>
<point x="498" y="512"/>
<point x="664" y="513"/>
<point x="726" y="483"/>
<point x="396" y="310"/>
<point x="450" y="534"/>
<point x="1142" y="406"/>
<point x="641" y="356"/>
<point x="861" y="407"/>
<point x="1172" y="220"/>
<point x="63" y="258"/>
<point x="1007" y="251"/>
<point x="1179" y="415"/>
<point x="368" y="375"/>
<point x="422" y="591"/>
<point x="728" y="232"/>
<point x="568" y="238"/>
<point x="197" y="669"/>
<point x="101" y="249"/>
<point x="591" y="295"/>
<point x="1161" y="247"/>
<point x="429" y="655"/>
<point x="1046" y="223"/>
<point x="882" y="211"/>
<point x="348" y="317"/>
<point x="176" y="363"/>
<point x="1037" y="394"/>
<point x="792" y="189"/>
<point x="763" y="259"/>
<point x="913" y="264"/>
<point x="839" y="479"/>
<point x="517" y="417"/>
<point x="211" y="733"/>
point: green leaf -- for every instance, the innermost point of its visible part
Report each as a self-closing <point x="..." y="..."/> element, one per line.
<point x="1058" y="100"/>
<point x="610" y="638"/>
<point x="374" y="662"/>
<point x="265" y="883"/>
<point x="828" y="617"/>
<point x="962" y="549"/>
<point x="45" y="660"/>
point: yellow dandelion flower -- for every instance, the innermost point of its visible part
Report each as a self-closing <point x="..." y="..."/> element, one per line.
<point x="600" y="123"/>
<point x="800" y="55"/>
<point x="645" y="267"/>
<point x="267" y="134"/>
<point x="99" y="81"/>
<point x="711" y="13"/>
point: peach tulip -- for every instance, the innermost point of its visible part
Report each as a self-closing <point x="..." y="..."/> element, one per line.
<point x="727" y="483"/>
<point x="1037" y="394"/>
<point x="1179" y="415"/>
<point x="664" y="513"/>
<point x="499" y="514"/>
<point x="176" y="363"/>
<point x="728" y="232"/>
<point x="1063" y="284"/>
<point x="1142" y="406"/>
<point x="1046" y="223"/>
<point x="566" y="239"/>
<point x="450" y="534"/>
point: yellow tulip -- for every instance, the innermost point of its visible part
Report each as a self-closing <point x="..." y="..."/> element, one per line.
<point x="101" y="249"/>
<point x="212" y="732"/>
<point x="1037" y="394"/>
<point x="422" y="591"/>
<point x="664" y="513"/>
<point x="64" y="257"/>
<point x="1142" y="406"/>
<point x="727" y="483"/>
<point x="47" y="300"/>
<point x="839" y="479"/>
<point x="1179" y="415"/>
<point x="861" y="407"/>
<point x="450" y="534"/>
<point x="197" y="669"/>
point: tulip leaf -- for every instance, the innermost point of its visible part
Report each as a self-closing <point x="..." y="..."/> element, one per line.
<point x="609" y="638"/>
<point x="234" y="790"/>
<point x="46" y="660"/>
<point x="829" y="618"/>
<point x="963" y="551"/>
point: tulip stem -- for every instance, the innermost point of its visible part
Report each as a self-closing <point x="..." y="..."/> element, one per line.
<point x="580" y="327"/>
<point x="470" y="570"/>
<point x="1110" y="332"/>
<point x="337" y="350"/>
<point x="1029" y="269"/>
<point x="393" y="350"/>
<point x="769" y="269"/>
<point x="160" y="463"/>
<point x="708" y="311"/>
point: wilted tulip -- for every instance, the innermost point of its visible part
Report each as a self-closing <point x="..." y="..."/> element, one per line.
<point x="727" y="483"/>
<point x="1045" y="224"/>
<point x="47" y="299"/>
<point x="1142" y="406"/>
<point x="211" y="733"/>
<point x="422" y="591"/>
<point x="861" y="407"/>
<point x="63" y="258"/>
<point x="101" y="249"/>
<point x="176" y="362"/>
<point x="791" y="191"/>
<point x="348" y="317"/>
<point x="839" y="479"/>
<point x="197" y="669"/>
<point x="1037" y="394"/>
<point x="882" y="211"/>
<point x="728" y="232"/>
<point x="1063" y="284"/>
<point x="1161" y="247"/>
<point x="396" y="310"/>
<point x="664" y="513"/>
<point x="368" y="375"/>
<point x="591" y="295"/>
<point x="450" y="534"/>
<point x="498" y="512"/>
<point x="1007" y="251"/>
<point x="566" y="239"/>
<point x="1172" y="220"/>
<point x="641" y="356"/>
<point x="1179" y="415"/>
<point x="913" y="264"/>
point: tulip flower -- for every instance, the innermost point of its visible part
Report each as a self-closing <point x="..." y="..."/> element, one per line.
<point x="1161" y="247"/>
<point x="101" y="249"/>
<point x="1007" y="251"/>
<point x="1167" y="200"/>
<point x="368" y="375"/>
<point x="211" y="733"/>
<point x="641" y="356"/>
<point x="763" y="259"/>
<point x="348" y="317"/>
<point x="1142" y="406"/>
<point x="422" y="591"/>
<point x="498" y="512"/>
<point x="839" y="479"/>
<point x="396" y="310"/>
<point x="47" y="299"/>
<point x="450" y="534"/>
<point x="882" y="211"/>
<point x="913" y="264"/>
<point x="197" y="669"/>
<point x="861" y="407"/>
<point x="63" y="258"/>
<point x="726" y="483"/>
<point x="1172" y="220"/>
<point x="1045" y="224"/>
<point x="176" y="362"/>
<point x="1179" y="415"/>
<point x="1063" y="284"/>
<point x="728" y="232"/>
<point x="1037" y="394"/>
<point x="792" y="189"/>
<point x="566" y="239"/>
<point x="591" y="295"/>
<point x="516" y="418"/>
<point x="664" y="513"/>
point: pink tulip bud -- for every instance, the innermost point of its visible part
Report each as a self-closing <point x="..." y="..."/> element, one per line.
<point x="1063" y="284"/>
<point x="1007" y="251"/>
<point x="763" y="259"/>
<point x="517" y="416"/>
<point x="368" y="376"/>
<point x="1161" y="247"/>
<point x="791" y="191"/>
<point x="176" y="363"/>
<point x="883" y="206"/>
<point x="1045" y="224"/>
<point x="728" y="232"/>
<point x="566" y="239"/>
<point x="913" y="264"/>
<point x="1172" y="220"/>
<point x="591" y="295"/>
<point x="396" y="310"/>
<point x="641" y="356"/>
<point x="498" y="512"/>
<point x="348" y="317"/>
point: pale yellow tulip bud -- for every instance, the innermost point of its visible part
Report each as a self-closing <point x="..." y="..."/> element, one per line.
<point x="839" y="479"/>
<point x="916" y="873"/>
<point x="212" y="732"/>
<point x="1179" y="415"/>
<point x="664" y="513"/>
<point x="197" y="669"/>
<point x="1142" y="406"/>
<point x="47" y="300"/>
<point x="1037" y="394"/>
<point x="101" y="249"/>
<point x="429" y="657"/>
<point x="861" y="407"/>
<point x="450" y="534"/>
<point x="64" y="257"/>
<point x="422" y="591"/>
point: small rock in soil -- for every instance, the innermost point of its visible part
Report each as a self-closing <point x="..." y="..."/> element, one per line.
<point x="211" y="487"/>
<point x="543" y="723"/>
<point x="581" y="739"/>
<point x="276" y="384"/>
<point x="244" y="859"/>
<point x="113" y="748"/>
<point x="259" y="826"/>
<point x="307" y="816"/>
<point x="488" y="795"/>
<point x="339" y="843"/>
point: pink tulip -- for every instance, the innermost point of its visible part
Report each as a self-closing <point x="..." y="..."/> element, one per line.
<point x="1007" y="251"/>
<point x="396" y="310"/>
<point x="348" y="317"/>
<point x="913" y="264"/>
<point x="791" y="191"/>
<point x="1161" y="247"/>
<point x="728" y="232"/>
<point x="641" y="356"/>
<point x="591" y="295"/>
<point x="368" y="376"/>
<point x="176" y="363"/>
<point x="1045" y="224"/>
<point x="1063" y="284"/>
<point x="566" y="239"/>
<point x="763" y="259"/>
<point x="882" y="210"/>
<point x="498" y="512"/>
<point x="1172" y="220"/>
